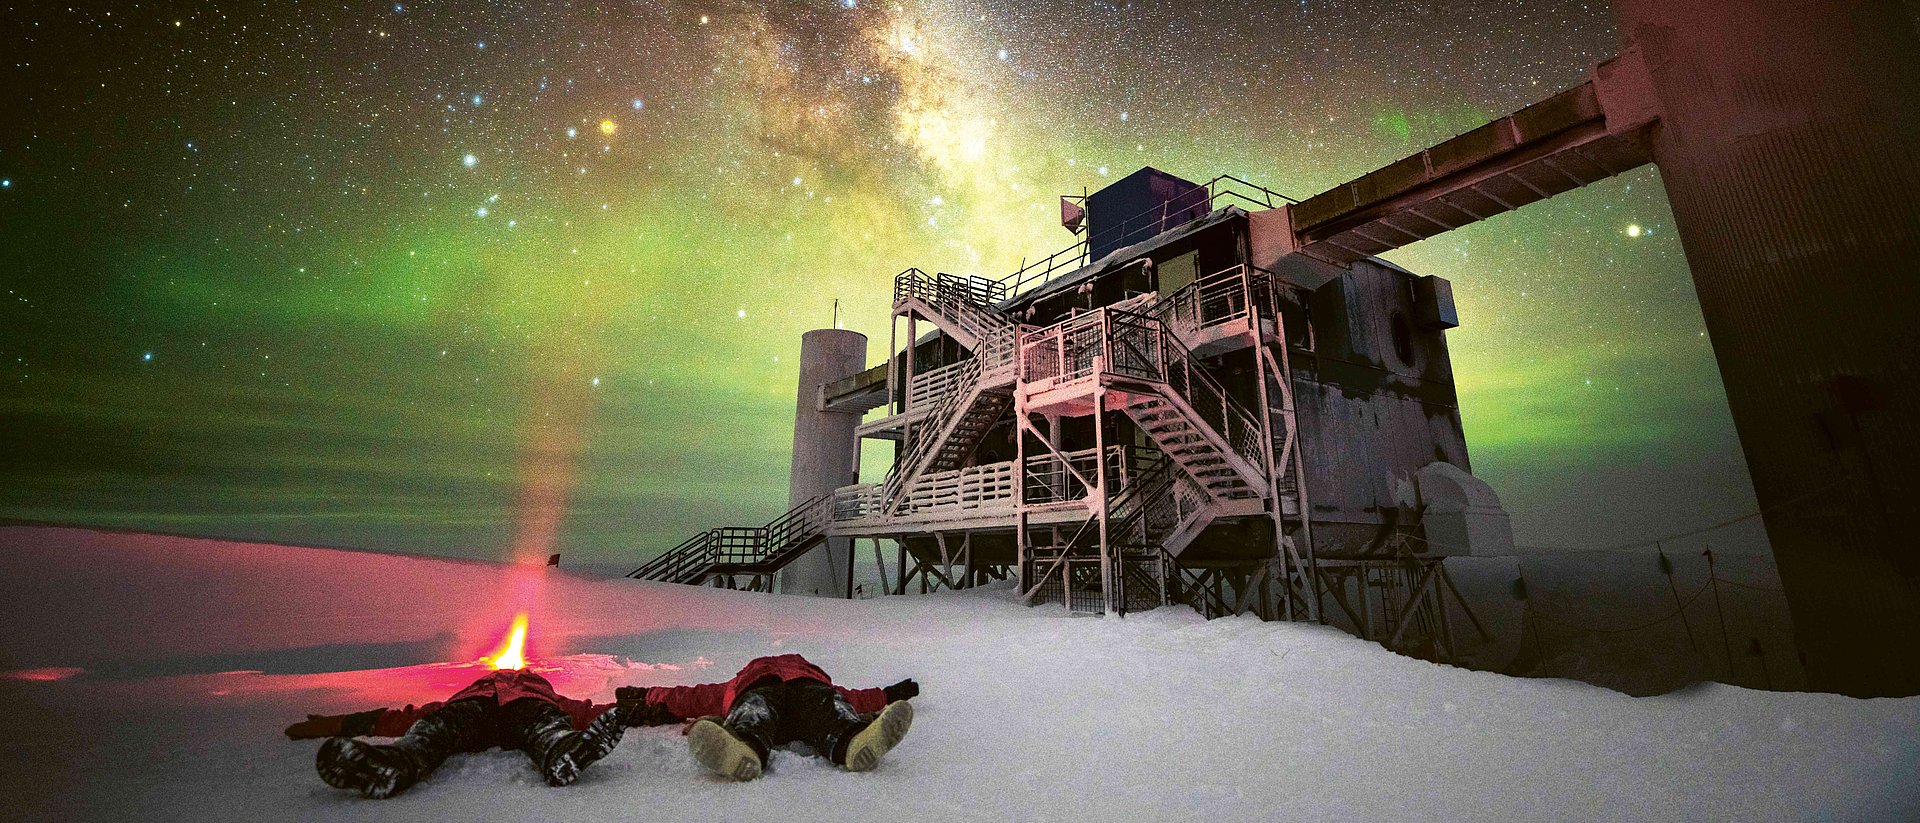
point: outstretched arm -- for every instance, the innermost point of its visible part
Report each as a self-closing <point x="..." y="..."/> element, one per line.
<point x="873" y="700"/>
<point x="661" y="705"/>
<point x="636" y="710"/>
<point x="385" y="722"/>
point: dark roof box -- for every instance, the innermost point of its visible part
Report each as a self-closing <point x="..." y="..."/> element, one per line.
<point x="1139" y="206"/>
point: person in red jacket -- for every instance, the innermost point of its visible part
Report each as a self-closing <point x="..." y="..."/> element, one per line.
<point x="509" y="708"/>
<point x="774" y="701"/>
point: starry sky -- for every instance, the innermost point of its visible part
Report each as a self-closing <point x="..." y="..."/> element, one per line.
<point x="480" y="278"/>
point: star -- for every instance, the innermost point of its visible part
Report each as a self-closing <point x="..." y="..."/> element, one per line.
<point x="864" y="113"/>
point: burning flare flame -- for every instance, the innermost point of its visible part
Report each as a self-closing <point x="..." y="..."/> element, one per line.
<point x="511" y="654"/>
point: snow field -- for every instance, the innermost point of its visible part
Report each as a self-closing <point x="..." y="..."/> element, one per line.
<point x="196" y="653"/>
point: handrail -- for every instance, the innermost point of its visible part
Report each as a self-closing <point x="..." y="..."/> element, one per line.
<point x="971" y="487"/>
<point x="909" y="463"/>
<point x="967" y="301"/>
<point x="931" y="386"/>
<point x="1233" y="294"/>
<point x="1134" y="503"/>
<point x="1072" y="258"/>
<point x="1056" y="476"/>
<point x="994" y="351"/>
<point x="1039" y="272"/>
<point x="1140" y="346"/>
<point x="697" y="545"/>
<point x="742" y="545"/>
<point x="941" y="286"/>
<point x="1234" y="423"/>
<point x="857" y="501"/>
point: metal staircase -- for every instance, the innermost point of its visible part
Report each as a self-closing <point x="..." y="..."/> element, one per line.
<point x="1150" y="519"/>
<point x="1219" y="471"/>
<point x="1186" y="412"/>
<point x="949" y="434"/>
<point x="982" y="392"/>
<point x="1221" y="459"/>
<point x="719" y="556"/>
<point x="961" y="306"/>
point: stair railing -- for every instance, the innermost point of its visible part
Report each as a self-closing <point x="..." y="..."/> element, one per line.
<point x="1137" y="345"/>
<point x="795" y="529"/>
<point x="967" y="301"/>
<point x="857" y="501"/>
<point x="679" y="561"/>
<point x="1062" y="352"/>
<point x="927" y="432"/>
<point x="1182" y="373"/>
<point x="741" y="545"/>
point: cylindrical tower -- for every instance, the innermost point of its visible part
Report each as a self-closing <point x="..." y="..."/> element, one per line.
<point x="825" y="455"/>
<point x="1789" y="143"/>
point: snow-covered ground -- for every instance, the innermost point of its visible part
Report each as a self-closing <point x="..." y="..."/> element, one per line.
<point x="148" y="678"/>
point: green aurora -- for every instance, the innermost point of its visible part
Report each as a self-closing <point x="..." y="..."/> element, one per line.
<point x="255" y="288"/>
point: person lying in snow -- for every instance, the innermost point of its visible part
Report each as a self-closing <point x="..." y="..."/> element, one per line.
<point x="774" y="701"/>
<point x="509" y="708"/>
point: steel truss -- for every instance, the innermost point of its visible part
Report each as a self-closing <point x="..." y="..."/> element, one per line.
<point x="1406" y="603"/>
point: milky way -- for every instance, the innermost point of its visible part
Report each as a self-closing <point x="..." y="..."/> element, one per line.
<point x="453" y="277"/>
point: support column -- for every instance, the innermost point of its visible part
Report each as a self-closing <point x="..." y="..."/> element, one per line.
<point x="825" y="457"/>
<point x="1109" y="568"/>
<point x="1789" y="144"/>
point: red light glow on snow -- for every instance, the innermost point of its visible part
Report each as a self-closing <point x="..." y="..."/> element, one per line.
<point x="512" y="653"/>
<point x="45" y="675"/>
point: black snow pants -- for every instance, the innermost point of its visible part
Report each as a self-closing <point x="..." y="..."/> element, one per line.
<point x="773" y="713"/>
<point x="480" y="723"/>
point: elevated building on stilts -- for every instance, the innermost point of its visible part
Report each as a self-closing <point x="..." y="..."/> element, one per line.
<point x="1152" y="416"/>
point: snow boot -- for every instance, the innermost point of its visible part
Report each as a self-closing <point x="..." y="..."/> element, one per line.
<point x="865" y="745"/>
<point x="726" y="753"/>
<point x="562" y="753"/>
<point x="384" y="771"/>
<point x="374" y="771"/>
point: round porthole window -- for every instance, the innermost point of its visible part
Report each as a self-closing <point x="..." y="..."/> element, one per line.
<point x="1402" y="337"/>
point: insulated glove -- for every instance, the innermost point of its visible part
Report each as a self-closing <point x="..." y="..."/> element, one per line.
<point x="903" y="690"/>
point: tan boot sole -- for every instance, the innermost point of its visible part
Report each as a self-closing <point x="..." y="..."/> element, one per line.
<point x="866" y="748"/>
<point x="721" y="753"/>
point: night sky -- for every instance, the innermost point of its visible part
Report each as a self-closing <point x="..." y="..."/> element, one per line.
<point x="459" y="277"/>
